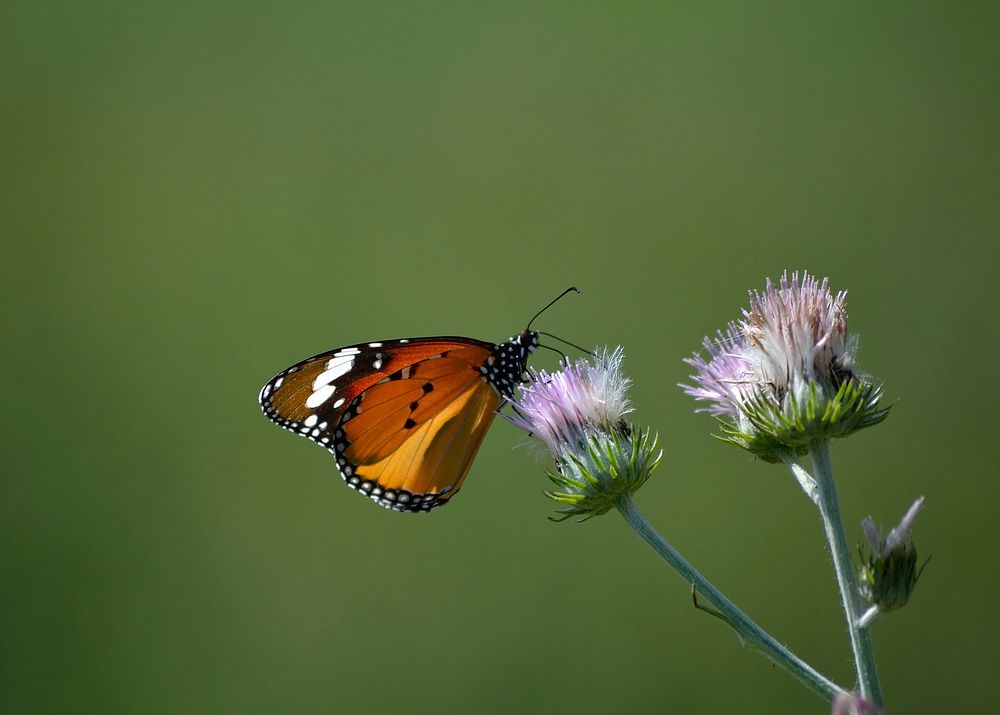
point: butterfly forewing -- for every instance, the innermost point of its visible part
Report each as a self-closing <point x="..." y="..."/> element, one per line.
<point x="403" y="418"/>
<point x="325" y="384"/>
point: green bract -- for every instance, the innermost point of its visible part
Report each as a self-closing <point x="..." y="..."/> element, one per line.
<point x="888" y="580"/>
<point x="604" y="468"/>
<point x="770" y="431"/>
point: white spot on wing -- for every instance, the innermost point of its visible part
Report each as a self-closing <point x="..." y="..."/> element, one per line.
<point x="318" y="397"/>
<point x="310" y="420"/>
<point x="277" y="383"/>
<point x="338" y="403"/>
<point x="335" y="368"/>
<point x="374" y="345"/>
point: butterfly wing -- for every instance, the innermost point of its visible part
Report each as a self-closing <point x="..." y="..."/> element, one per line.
<point x="404" y="419"/>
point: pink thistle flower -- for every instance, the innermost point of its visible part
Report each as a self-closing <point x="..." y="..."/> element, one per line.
<point x="579" y="414"/>
<point x="798" y="335"/>
<point x="724" y="381"/>
<point x="563" y="407"/>
<point x="784" y="375"/>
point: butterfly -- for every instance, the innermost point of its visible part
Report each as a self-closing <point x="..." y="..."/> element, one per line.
<point x="402" y="418"/>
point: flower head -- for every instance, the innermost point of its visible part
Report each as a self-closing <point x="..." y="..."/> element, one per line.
<point x="889" y="573"/>
<point x="784" y="375"/>
<point x="578" y="412"/>
<point x="563" y="407"/>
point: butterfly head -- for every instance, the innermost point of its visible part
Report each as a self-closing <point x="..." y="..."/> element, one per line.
<point x="528" y="340"/>
<point x="506" y="365"/>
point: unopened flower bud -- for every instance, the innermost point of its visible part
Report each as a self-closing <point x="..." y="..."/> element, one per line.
<point x="889" y="573"/>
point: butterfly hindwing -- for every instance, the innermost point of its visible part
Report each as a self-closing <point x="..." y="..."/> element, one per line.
<point x="421" y="465"/>
<point x="403" y="418"/>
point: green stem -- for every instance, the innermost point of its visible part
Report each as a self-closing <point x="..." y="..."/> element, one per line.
<point x="746" y="629"/>
<point x="850" y="594"/>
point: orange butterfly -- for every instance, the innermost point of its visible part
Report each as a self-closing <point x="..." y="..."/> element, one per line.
<point x="403" y="418"/>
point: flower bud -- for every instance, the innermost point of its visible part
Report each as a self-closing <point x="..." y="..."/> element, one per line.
<point x="889" y="573"/>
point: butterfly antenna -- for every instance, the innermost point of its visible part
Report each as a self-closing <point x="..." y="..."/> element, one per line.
<point x="565" y="359"/>
<point x="571" y="289"/>
<point x="566" y="342"/>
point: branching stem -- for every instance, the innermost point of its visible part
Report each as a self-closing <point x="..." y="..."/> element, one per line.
<point x="749" y="632"/>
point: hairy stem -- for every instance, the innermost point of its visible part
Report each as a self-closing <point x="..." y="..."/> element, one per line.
<point x="850" y="594"/>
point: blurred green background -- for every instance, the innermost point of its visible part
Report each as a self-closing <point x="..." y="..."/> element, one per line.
<point x="196" y="195"/>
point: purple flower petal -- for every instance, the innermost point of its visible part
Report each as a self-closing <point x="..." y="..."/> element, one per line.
<point x="561" y="407"/>
<point x="791" y="335"/>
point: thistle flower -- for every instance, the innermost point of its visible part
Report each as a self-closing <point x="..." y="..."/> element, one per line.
<point x="579" y="414"/>
<point x="784" y="375"/>
<point x="889" y="573"/>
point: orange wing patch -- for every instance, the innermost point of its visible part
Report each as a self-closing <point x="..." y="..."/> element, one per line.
<point x="427" y="462"/>
<point x="385" y="415"/>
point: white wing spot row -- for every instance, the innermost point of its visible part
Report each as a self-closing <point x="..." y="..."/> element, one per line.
<point x="335" y="368"/>
<point x="320" y="396"/>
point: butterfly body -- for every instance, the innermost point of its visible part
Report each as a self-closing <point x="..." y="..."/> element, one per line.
<point x="402" y="418"/>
